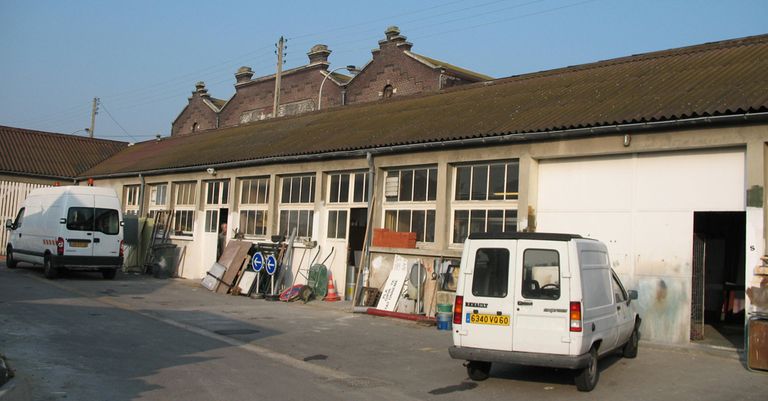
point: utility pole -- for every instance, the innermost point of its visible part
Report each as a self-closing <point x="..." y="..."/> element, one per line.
<point x="280" y="45"/>
<point x="94" y="111"/>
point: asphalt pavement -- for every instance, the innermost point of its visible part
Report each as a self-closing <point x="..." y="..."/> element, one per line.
<point x="140" y="338"/>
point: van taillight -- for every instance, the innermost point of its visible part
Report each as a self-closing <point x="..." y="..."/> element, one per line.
<point x="121" y="248"/>
<point x="576" y="316"/>
<point x="458" y="309"/>
<point x="60" y="246"/>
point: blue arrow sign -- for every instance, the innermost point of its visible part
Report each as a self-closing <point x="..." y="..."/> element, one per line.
<point x="271" y="264"/>
<point x="257" y="262"/>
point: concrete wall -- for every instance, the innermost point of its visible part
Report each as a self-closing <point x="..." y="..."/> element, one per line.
<point x="749" y="138"/>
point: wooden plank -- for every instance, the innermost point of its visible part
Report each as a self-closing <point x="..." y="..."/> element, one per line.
<point x="233" y="261"/>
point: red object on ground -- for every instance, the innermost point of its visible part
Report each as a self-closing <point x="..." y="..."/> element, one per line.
<point x="400" y="315"/>
<point x="332" y="295"/>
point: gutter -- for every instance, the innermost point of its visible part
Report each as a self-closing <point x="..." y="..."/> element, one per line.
<point x="487" y="140"/>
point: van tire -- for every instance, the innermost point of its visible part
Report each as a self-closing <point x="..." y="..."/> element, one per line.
<point x="49" y="270"/>
<point x="478" y="370"/>
<point x="630" y="348"/>
<point x="9" y="260"/>
<point x="109" y="274"/>
<point x="586" y="379"/>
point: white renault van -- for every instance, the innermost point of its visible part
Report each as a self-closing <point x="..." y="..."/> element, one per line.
<point x="72" y="227"/>
<point x="540" y="299"/>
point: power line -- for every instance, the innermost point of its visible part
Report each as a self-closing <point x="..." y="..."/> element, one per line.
<point x="115" y="121"/>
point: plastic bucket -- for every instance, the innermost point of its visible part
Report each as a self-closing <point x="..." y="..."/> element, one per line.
<point x="444" y="308"/>
<point x="444" y="320"/>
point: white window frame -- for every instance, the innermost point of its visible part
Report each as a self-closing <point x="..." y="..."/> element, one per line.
<point x="298" y="208"/>
<point x="184" y="213"/>
<point x="509" y="203"/>
<point x="216" y="196"/>
<point x="255" y="203"/>
<point x="428" y="206"/>
<point x="338" y="205"/>
<point x="131" y="199"/>
<point x="157" y="190"/>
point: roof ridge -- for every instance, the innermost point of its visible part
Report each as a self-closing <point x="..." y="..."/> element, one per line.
<point x="68" y="136"/>
<point x="652" y="55"/>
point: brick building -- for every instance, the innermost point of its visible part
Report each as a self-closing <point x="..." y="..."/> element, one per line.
<point x="393" y="71"/>
<point x="201" y="114"/>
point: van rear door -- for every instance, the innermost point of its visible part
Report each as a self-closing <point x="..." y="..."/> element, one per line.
<point x="106" y="233"/>
<point x="541" y="321"/>
<point x="488" y="284"/>
<point x="78" y="232"/>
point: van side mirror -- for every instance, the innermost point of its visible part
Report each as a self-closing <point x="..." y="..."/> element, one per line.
<point x="9" y="225"/>
<point x="632" y="294"/>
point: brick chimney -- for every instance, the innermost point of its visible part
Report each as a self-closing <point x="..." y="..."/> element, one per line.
<point x="200" y="89"/>
<point x="243" y="74"/>
<point x="394" y="38"/>
<point x="318" y="54"/>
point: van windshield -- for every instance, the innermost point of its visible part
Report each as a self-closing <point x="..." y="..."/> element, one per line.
<point x="106" y="221"/>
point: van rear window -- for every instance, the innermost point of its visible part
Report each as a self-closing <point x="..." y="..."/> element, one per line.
<point x="106" y="221"/>
<point x="541" y="274"/>
<point x="491" y="276"/>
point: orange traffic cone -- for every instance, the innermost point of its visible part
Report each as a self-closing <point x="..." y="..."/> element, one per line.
<point x="332" y="295"/>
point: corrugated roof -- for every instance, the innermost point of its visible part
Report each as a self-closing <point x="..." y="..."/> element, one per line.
<point x="51" y="155"/>
<point x="450" y="67"/>
<point x="718" y="78"/>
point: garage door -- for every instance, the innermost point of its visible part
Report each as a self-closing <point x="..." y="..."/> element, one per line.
<point x="642" y="207"/>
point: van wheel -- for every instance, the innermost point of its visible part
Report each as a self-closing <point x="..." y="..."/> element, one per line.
<point x="630" y="348"/>
<point x="478" y="371"/>
<point x="50" y="271"/>
<point x="109" y="274"/>
<point x="586" y="379"/>
<point x="9" y="260"/>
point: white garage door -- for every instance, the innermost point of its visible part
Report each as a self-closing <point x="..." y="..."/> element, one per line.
<point x="642" y="207"/>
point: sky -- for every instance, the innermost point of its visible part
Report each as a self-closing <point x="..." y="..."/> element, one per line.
<point x="142" y="58"/>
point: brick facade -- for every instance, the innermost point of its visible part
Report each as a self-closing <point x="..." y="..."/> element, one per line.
<point x="253" y="100"/>
<point x="393" y="71"/>
<point x="201" y="113"/>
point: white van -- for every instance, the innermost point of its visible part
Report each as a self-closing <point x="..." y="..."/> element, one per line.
<point x="540" y="299"/>
<point x="73" y="228"/>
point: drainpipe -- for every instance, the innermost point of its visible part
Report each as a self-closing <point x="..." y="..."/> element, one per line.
<point x="141" y="195"/>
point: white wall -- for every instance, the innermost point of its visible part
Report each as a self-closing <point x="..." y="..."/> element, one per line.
<point x="642" y="207"/>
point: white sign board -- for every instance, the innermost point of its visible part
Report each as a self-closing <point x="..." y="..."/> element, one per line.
<point x="394" y="285"/>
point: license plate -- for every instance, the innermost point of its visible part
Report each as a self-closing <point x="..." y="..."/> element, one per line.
<point x="482" y="318"/>
<point x="78" y="244"/>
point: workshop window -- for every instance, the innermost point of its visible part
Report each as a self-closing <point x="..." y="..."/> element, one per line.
<point x="485" y="198"/>
<point x="409" y="201"/>
<point x="254" y="195"/>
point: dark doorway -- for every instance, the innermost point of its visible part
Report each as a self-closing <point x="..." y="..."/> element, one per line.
<point x="717" y="293"/>
<point x="222" y="229"/>
<point x="358" y="221"/>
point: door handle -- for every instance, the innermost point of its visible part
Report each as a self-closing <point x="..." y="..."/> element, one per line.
<point x="97" y="240"/>
<point x="525" y="303"/>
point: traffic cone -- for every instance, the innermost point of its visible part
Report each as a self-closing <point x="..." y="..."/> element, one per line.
<point x="332" y="295"/>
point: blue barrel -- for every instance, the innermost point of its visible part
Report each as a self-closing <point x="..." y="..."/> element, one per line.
<point x="444" y="320"/>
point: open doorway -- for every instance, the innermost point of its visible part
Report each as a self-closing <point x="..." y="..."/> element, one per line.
<point x="358" y="221"/>
<point x="222" y="230"/>
<point x="717" y="293"/>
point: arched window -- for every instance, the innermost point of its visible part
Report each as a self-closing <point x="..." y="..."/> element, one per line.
<point x="387" y="92"/>
<point x="195" y="127"/>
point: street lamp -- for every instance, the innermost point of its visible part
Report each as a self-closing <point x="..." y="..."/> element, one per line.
<point x="350" y="68"/>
